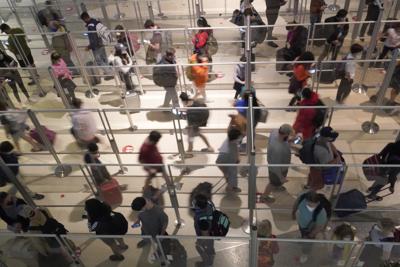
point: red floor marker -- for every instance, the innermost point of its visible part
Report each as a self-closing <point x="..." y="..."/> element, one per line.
<point x="62" y="195"/>
<point x="127" y="149"/>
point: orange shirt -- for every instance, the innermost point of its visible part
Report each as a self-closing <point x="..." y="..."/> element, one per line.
<point x="300" y="73"/>
<point x="200" y="73"/>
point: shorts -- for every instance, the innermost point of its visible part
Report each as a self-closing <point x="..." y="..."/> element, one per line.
<point x="30" y="60"/>
<point x="193" y="131"/>
<point x="274" y="179"/>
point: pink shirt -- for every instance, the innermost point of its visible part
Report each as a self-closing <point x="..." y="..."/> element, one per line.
<point x="61" y="70"/>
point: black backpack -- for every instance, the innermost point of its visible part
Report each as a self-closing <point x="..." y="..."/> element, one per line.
<point x="198" y="117"/>
<point x="119" y="224"/>
<point x="320" y="114"/>
<point x="164" y="76"/>
<point x="306" y="153"/>
<point x="219" y="224"/>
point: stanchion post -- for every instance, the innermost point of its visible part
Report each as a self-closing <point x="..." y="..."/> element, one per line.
<point x="62" y="170"/>
<point x="178" y="137"/>
<point x="346" y="5"/>
<point x="356" y="28"/>
<point x="119" y="14"/>
<point x="361" y="87"/>
<point x="160" y="13"/>
<point x="105" y="14"/>
<point x="40" y="27"/>
<point x="59" y="89"/>
<point x="14" y="180"/>
<point x="197" y="8"/>
<point x="371" y="126"/>
<point x="396" y="9"/>
<point x="150" y="10"/>
<point x="172" y="194"/>
<point x="88" y="181"/>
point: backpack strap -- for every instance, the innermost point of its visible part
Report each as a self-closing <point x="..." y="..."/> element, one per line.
<point x="301" y="198"/>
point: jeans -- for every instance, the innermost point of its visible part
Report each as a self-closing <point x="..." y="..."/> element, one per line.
<point x="343" y="90"/>
<point x="306" y="247"/>
<point x="314" y="18"/>
<point x="13" y="189"/>
<point x="127" y="79"/>
<point x="100" y="56"/>
<point x="372" y="15"/>
<point x="272" y="17"/>
<point x="385" y="51"/>
<point x="171" y="94"/>
<point x="231" y="175"/>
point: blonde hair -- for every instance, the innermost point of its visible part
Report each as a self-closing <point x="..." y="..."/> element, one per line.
<point x="264" y="229"/>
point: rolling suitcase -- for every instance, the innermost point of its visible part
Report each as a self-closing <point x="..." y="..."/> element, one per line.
<point x="131" y="100"/>
<point x="353" y="200"/>
<point x="93" y="74"/>
<point x="110" y="193"/>
<point x="372" y="172"/>
<point x="283" y="54"/>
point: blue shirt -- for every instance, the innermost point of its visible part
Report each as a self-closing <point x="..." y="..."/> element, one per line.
<point x="304" y="216"/>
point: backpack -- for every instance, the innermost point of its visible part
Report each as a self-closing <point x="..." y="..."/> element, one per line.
<point x="324" y="203"/>
<point x="104" y="33"/>
<point x="212" y="45"/>
<point x="320" y="114"/>
<point x="119" y="224"/>
<point x="306" y="153"/>
<point x="219" y="224"/>
<point x="163" y="77"/>
<point x="198" y="117"/>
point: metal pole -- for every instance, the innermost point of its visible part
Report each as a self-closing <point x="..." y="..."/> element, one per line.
<point x="184" y="78"/>
<point x="186" y="35"/>
<point x="150" y="9"/>
<point x="332" y="109"/>
<point x="87" y="178"/>
<point x="12" y="6"/>
<point x="190" y="13"/>
<point x="76" y="7"/>
<point x="248" y="12"/>
<point x="345" y="169"/>
<point x="361" y="87"/>
<point x="356" y="28"/>
<point x="295" y="9"/>
<point x="202" y="12"/>
<point x="172" y="195"/>
<point x="61" y="169"/>
<point x="179" y="139"/>
<point x="111" y="139"/>
<point x="4" y="95"/>
<point x="81" y="65"/>
<point x="40" y="28"/>
<point x="119" y="15"/>
<point x="160" y="13"/>
<point x="14" y="180"/>
<point x="197" y="5"/>
<point x="105" y="15"/>
<point x="371" y="126"/>
<point x="346" y="5"/>
<point x="59" y="89"/>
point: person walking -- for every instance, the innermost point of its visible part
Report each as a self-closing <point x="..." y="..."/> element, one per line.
<point x="149" y="154"/>
<point x="84" y="127"/>
<point x="239" y="76"/>
<point x="317" y="8"/>
<point x="392" y="40"/>
<point x="229" y="154"/>
<point x="7" y="73"/>
<point x="123" y="64"/>
<point x="129" y="40"/>
<point x="99" y="172"/>
<point x="296" y="39"/>
<point x="373" y="10"/>
<point x="18" y="45"/>
<point x="304" y="124"/>
<point x="49" y="14"/>
<point x="63" y="75"/>
<point x="96" y="43"/>
<point x="200" y="75"/>
<point x="10" y="207"/>
<point x="156" y="45"/>
<point x="272" y="13"/>
<point x="278" y="152"/>
<point x="266" y="249"/>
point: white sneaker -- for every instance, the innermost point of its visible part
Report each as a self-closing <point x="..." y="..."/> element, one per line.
<point x="303" y="259"/>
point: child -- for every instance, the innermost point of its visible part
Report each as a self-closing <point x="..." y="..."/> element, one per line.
<point x="340" y="252"/>
<point x="266" y="249"/>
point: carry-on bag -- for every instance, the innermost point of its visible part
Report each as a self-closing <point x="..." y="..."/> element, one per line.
<point x="352" y="200"/>
<point x="372" y="172"/>
<point x="51" y="135"/>
<point x="110" y="193"/>
<point x="283" y="54"/>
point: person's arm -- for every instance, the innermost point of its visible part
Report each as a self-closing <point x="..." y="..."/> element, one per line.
<point x="295" y="207"/>
<point x="236" y="75"/>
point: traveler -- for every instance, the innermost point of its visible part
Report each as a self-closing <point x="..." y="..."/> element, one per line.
<point x="156" y="46"/>
<point x="61" y="44"/>
<point x="200" y="75"/>
<point x="242" y="105"/>
<point x="296" y="39"/>
<point x="317" y="8"/>
<point x="272" y="13"/>
<point x="266" y="249"/>
<point x="49" y="14"/>
<point x="149" y="154"/>
<point x="390" y="155"/>
<point x="203" y="210"/>
<point x="304" y="123"/>
<point x="341" y="252"/>
<point x="168" y="78"/>
<point x="372" y="15"/>
<point x="201" y="37"/>
<point x="395" y="84"/>
<point x="98" y="36"/>
<point x="301" y="74"/>
<point x="18" y="45"/>
<point x="9" y="156"/>
<point x="63" y="75"/>
<point x="128" y="40"/>
<point x="123" y="64"/>
<point x="103" y="221"/>
<point x="10" y="207"/>
<point x="12" y="75"/>
<point x="229" y="154"/>
<point x="196" y="118"/>
<point x="392" y="40"/>
<point x="311" y="217"/>
<point x="99" y="172"/>
<point x="349" y="72"/>
<point x="153" y="220"/>
<point x="336" y="34"/>
<point x="324" y="152"/>
<point x="84" y="127"/>
<point x="374" y="254"/>
<point x="239" y="76"/>
<point x="16" y="127"/>
<point x="278" y="152"/>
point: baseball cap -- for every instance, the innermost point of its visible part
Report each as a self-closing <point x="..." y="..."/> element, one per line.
<point x="328" y="132"/>
<point x="285" y="129"/>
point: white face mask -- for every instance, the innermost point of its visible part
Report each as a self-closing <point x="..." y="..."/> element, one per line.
<point x="311" y="209"/>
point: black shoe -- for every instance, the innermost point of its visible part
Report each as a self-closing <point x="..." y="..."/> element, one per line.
<point x="108" y="78"/>
<point x="116" y="257"/>
<point x="272" y="44"/>
<point x="38" y="196"/>
<point x="32" y="82"/>
<point x="142" y="243"/>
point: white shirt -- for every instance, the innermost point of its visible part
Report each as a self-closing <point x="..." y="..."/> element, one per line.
<point x="350" y="67"/>
<point x="392" y="39"/>
<point x="84" y="125"/>
<point x="121" y="67"/>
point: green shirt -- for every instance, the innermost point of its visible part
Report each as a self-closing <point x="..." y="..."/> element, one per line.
<point x="17" y="43"/>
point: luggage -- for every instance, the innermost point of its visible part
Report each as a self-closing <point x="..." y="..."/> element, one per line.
<point x="220" y="224"/>
<point x="327" y="73"/>
<point x="330" y="175"/>
<point x="306" y="152"/>
<point x="352" y="199"/>
<point x="110" y="193"/>
<point x="175" y="252"/>
<point x="284" y="54"/>
<point x="372" y="173"/>
<point x="212" y="45"/>
<point x="263" y="113"/>
<point x="198" y="117"/>
<point x="131" y="100"/>
<point x="120" y="224"/>
<point x="51" y="135"/>
<point x="93" y="74"/>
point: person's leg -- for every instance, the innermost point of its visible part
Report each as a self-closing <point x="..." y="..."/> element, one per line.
<point x="14" y="88"/>
<point x="205" y="140"/>
<point x="174" y="97"/>
<point x="325" y="52"/>
<point x="385" y="50"/>
<point x="33" y="143"/>
<point x="374" y="17"/>
<point x="13" y="189"/>
<point x="343" y="90"/>
<point x="306" y="247"/>
<point x="367" y="18"/>
<point x="232" y="177"/>
<point x="168" y="96"/>
<point x="335" y="51"/>
<point x="128" y="82"/>
<point x="112" y="243"/>
<point x="20" y="83"/>
<point x="272" y="17"/>
<point x="100" y="57"/>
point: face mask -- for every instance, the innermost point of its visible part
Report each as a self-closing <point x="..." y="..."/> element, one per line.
<point x="310" y="209"/>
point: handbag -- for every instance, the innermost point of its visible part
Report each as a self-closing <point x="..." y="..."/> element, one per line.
<point x="263" y="113"/>
<point x="372" y="172"/>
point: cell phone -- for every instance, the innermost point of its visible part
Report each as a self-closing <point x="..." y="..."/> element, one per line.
<point x="135" y="225"/>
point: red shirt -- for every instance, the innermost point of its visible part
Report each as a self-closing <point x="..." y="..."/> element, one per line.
<point x="149" y="154"/>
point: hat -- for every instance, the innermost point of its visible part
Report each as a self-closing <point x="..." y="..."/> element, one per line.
<point x="328" y="132"/>
<point x="286" y="129"/>
<point x="26" y="211"/>
<point x="3" y="27"/>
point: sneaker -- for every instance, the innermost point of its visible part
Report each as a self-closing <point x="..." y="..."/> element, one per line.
<point x="303" y="259"/>
<point x="38" y="196"/>
<point x="116" y="257"/>
<point x="142" y="244"/>
<point x="272" y="44"/>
